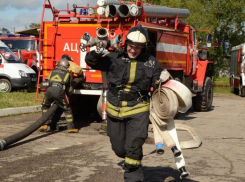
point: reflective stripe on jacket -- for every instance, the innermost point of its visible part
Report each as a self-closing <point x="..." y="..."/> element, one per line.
<point x="129" y="75"/>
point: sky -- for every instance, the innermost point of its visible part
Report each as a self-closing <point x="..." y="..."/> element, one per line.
<point x="19" y="14"/>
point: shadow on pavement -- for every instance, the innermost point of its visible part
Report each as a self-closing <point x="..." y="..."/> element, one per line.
<point x="163" y="174"/>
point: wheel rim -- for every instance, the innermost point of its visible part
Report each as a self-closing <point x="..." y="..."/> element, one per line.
<point x="4" y="87"/>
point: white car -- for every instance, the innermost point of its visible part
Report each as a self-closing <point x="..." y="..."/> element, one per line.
<point x="14" y="73"/>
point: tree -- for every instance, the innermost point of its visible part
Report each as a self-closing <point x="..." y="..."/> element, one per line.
<point x="34" y="25"/>
<point x="224" y="18"/>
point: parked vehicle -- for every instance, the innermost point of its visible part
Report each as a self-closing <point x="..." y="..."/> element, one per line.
<point x="25" y="47"/>
<point x="172" y="42"/>
<point x="14" y="73"/>
<point x="237" y="70"/>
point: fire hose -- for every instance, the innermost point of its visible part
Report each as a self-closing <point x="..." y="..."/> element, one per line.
<point x="166" y="101"/>
<point x="29" y="130"/>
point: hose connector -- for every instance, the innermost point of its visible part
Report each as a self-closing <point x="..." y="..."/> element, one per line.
<point x="159" y="148"/>
<point x="183" y="172"/>
<point x="2" y="144"/>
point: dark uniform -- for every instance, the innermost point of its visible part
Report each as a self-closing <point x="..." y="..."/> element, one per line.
<point x="73" y="69"/>
<point x="128" y="104"/>
<point x="59" y="84"/>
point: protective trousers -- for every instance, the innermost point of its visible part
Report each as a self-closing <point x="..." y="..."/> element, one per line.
<point x="127" y="137"/>
<point x="57" y="95"/>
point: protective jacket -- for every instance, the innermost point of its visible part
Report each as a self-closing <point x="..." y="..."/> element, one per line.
<point x="59" y="84"/>
<point x="129" y="81"/>
<point x="60" y="78"/>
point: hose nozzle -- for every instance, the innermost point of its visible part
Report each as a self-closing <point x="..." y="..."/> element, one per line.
<point x="2" y="144"/>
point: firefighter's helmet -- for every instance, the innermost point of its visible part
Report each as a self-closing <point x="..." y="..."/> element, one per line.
<point x="63" y="64"/>
<point x="66" y="56"/>
<point x="137" y="34"/>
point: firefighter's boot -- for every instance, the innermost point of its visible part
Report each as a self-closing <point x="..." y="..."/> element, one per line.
<point x="53" y="126"/>
<point x="133" y="173"/>
<point x="71" y="128"/>
<point x="176" y="151"/>
<point x="74" y="130"/>
<point x="43" y="128"/>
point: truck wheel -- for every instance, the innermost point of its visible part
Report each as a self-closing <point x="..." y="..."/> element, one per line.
<point x="5" y="86"/>
<point x="203" y="102"/>
<point x="232" y="85"/>
<point x="242" y="91"/>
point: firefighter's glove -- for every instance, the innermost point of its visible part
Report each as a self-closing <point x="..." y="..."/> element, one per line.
<point x="102" y="51"/>
<point x="71" y="89"/>
<point x="164" y="76"/>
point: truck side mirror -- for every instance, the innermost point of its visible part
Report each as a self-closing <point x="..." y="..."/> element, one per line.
<point x="209" y="40"/>
<point x="25" y="61"/>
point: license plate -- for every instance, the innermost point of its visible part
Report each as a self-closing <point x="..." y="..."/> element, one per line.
<point x="34" y="79"/>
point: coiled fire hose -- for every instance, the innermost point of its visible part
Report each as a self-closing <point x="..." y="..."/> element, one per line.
<point x="166" y="101"/>
<point x="29" y="130"/>
<point x="184" y="103"/>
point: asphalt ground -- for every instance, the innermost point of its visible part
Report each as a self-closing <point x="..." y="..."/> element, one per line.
<point x="87" y="155"/>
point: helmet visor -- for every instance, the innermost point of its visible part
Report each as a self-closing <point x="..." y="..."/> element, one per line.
<point x="136" y="44"/>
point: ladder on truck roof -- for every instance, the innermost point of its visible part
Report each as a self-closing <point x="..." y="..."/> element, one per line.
<point x="44" y="45"/>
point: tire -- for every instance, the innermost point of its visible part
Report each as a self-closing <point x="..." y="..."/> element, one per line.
<point x="5" y="86"/>
<point x="203" y="102"/>
<point x="242" y="91"/>
<point x="232" y="85"/>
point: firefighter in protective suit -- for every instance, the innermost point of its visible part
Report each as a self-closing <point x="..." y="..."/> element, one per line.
<point x="79" y="77"/>
<point x="131" y="74"/>
<point x="59" y="86"/>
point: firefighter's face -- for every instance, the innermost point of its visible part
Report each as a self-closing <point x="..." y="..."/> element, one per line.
<point x="133" y="50"/>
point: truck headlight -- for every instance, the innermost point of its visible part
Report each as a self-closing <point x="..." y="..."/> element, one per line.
<point x="22" y="73"/>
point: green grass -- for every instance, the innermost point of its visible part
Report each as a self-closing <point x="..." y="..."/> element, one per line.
<point x="222" y="82"/>
<point x="18" y="99"/>
<point x="226" y="79"/>
<point x="221" y="90"/>
<point x="222" y="85"/>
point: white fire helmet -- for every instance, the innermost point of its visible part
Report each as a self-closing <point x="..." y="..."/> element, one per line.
<point x="137" y="34"/>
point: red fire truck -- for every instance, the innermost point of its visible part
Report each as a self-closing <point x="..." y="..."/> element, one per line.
<point x="172" y="42"/>
<point x="237" y="70"/>
<point x="25" y="47"/>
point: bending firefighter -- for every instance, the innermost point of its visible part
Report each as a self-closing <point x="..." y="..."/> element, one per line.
<point x="59" y="86"/>
<point x="131" y="75"/>
<point x="77" y="78"/>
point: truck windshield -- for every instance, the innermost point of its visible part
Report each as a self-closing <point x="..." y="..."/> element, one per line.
<point x="9" y="55"/>
<point x="20" y="44"/>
